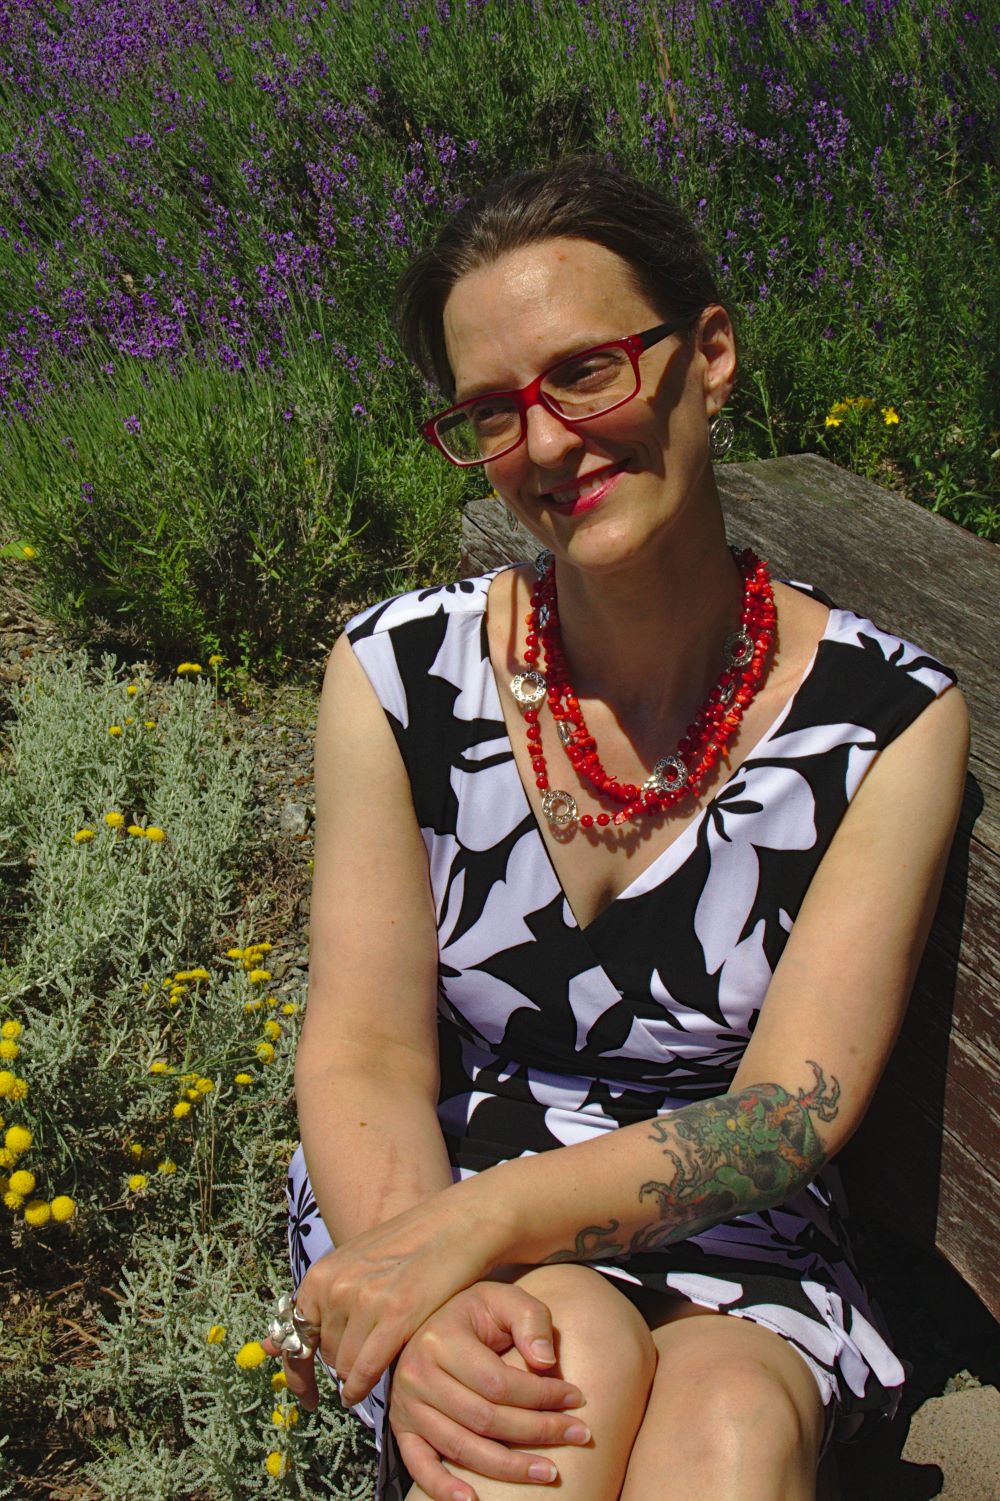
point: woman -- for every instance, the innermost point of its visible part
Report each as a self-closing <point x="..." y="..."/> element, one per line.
<point x="618" y="900"/>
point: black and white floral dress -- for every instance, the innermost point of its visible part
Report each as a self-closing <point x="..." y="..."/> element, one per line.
<point x="551" y="1033"/>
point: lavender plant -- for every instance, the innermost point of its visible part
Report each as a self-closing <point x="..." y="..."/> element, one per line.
<point x="207" y="209"/>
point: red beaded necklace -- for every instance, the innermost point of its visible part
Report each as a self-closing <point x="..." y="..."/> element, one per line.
<point x="702" y="743"/>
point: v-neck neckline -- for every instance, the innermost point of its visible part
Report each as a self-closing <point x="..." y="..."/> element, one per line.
<point x="687" y="838"/>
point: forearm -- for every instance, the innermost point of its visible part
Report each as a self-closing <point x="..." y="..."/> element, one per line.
<point x="372" y="1143"/>
<point x="648" y="1185"/>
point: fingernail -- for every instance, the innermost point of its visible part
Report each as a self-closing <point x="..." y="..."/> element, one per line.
<point x="577" y="1433"/>
<point x="572" y="1399"/>
<point x="543" y="1349"/>
<point x="543" y="1469"/>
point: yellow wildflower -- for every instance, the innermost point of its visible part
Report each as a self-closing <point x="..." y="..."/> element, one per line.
<point x="204" y="1086"/>
<point x="7" y="1157"/>
<point x="188" y="667"/>
<point x="114" y="820"/>
<point x="166" y="1167"/>
<point x="114" y="729"/>
<point x="18" y="1139"/>
<point x="289" y="1008"/>
<point x="18" y="1090"/>
<point x="6" y="1081"/>
<point x="22" y="1182"/>
<point x="831" y="421"/>
<point x="259" y="948"/>
<point x="234" y="953"/>
<point x="265" y="1052"/>
<point x="277" y="1465"/>
<point x="29" y="552"/>
<point x="250" y="1006"/>
<point x="890" y="416"/>
<point x="243" y="1079"/>
<point x="271" y="1000"/>
<point x="216" y="659"/>
<point x="285" y="1417"/>
<point x="137" y="1182"/>
<point x="63" y="1207"/>
<point x="279" y="1381"/>
<point x="216" y="1334"/>
<point x="149" y="724"/>
<point x="135" y="830"/>
<point x="132" y="689"/>
<point x="181" y="1109"/>
<point x="130" y="721"/>
<point x="155" y="834"/>
<point x="8" y="1050"/>
<point x="259" y="976"/>
<point x="249" y="1356"/>
<point x="12" y="1200"/>
<point x="137" y="1150"/>
<point x="192" y="1095"/>
<point x="158" y="1066"/>
<point x="272" y="1030"/>
<point x="37" y="1213"/>
<point x="11" y="1029"/>
<point x="83" y="836"/>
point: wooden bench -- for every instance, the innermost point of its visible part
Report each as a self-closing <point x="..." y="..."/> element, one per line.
<point x="925" y="1159"/>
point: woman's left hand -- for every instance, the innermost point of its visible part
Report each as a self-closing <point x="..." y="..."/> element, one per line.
<point x="371" y="1294"/>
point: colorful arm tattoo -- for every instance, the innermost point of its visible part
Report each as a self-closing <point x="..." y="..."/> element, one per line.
<point x="731" y="1155"/>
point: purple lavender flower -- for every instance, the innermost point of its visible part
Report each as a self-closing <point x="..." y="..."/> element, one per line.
<point x="132" y="424"/>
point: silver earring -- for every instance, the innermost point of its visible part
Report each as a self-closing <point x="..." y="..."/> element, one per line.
<point x="721" y="435"/>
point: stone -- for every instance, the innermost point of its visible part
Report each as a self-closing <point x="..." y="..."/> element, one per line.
<point x="960" y="1432"/>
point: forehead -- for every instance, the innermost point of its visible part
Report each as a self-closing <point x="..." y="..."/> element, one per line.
<point x="505" y="320"/>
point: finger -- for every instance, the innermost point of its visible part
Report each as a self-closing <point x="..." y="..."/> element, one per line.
<point x="531" y="1330"/>
<point x="481" y="1455"/>
<point x="490" y="1377"/>
<point x="300" y="1375"/>
<point x="523" y="1426"/>
<point x="429" y="1473"/>
<point x="377" y="1351"/>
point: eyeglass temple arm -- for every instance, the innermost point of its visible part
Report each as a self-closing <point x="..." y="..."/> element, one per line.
<point x="661" y="331"/>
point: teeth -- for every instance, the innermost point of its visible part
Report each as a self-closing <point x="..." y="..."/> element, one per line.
<point x="564" y="498"/>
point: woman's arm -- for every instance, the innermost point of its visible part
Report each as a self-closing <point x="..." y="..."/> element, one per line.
<point x="833" y="1010"/>
<point x="366" y="1074"/>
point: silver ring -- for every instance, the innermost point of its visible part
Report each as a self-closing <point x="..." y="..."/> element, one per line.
<point x="292" y="1334"/>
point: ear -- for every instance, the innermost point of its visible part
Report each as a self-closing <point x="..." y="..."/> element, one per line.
<point x="716" y="342"/>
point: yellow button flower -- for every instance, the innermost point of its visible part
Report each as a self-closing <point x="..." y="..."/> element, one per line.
<point x="216" y="660"/>
<point x="63" y="1208"/>
<point x="11" y="1029"/>
<point x="18" y="1090"/>
<point x="166" y="1167"/>
<point x="136" y="830"/>
<point x="216" y="1334"/>
<point x="12" y="1200"/>
<point x="29" y="552"/>
<point x="149" y="724"/>
<point x="22" y="1182"/>
<point x="279" y="1381"/>
<point x="114" y="820"/>
<point x="192" y="1095"/>
<point x="6" y="1081"/>
<point x="890" y="416"/>
<point x="18" y="1139"/>
<point x="234" y="953"/>
<point x="83" y="836"/>
<point x="250" y="1006"/>
<point x="188" y="667"/>
<point x="181" y="1109"/>
<point x="114" y="729"/>
<point x="259" y="976"/>
<point x="289" y="1008"/>
<point x="157" y="835"/>
<point x="137" y="1150"/>
<point x="158" y="1066"/>
<point x="243" y="1079"/>
<point x="8" y="1050"/>
<point x="204" y="1086"/>
<point x="137" y="1182"/>
<point x="265" y="1052"/>
<point x="277" y="1465"/>
<point x="285" y="1417"/>
<point x="7" y="1157"/>
<point x="132" y="689"/>
<point x="37" y="1213"/>
<point x="272" y="1030"/>
<point x="249" y="1356"/>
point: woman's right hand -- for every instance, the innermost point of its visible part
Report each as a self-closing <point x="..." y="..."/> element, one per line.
<point x="454" y="1398"/>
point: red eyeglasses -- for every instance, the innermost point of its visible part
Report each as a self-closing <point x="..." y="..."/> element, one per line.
<point x="586" y="385"/>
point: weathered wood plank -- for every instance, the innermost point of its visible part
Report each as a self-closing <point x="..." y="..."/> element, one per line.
<point x="925" y="1158"/>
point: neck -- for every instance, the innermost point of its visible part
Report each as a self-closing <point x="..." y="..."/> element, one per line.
<point x="648" y="639"/>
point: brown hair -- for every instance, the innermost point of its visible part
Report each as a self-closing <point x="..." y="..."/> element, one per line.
<point x="580" y="198"/>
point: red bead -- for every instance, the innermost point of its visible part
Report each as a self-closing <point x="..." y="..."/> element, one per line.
<point x="531" y="716"/>
<point x="603" y="819"/>
<point x="586" y="821"/>
<point x="542" y="783"/>
<point x="531" y="639"/>
<point x="531" y="654"/>
<point x="538" y="764"/>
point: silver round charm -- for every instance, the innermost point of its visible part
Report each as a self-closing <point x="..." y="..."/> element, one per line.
<point x="542" y="562"/>
<point x="528" y="688"/>
<point x="739" y="648"/>
<point x="659" y="780"/>
<point x="559" y="808"/>
<point x="721" y="435"/>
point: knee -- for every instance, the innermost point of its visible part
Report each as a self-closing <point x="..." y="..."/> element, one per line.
<point x="743" y="1404"/>
<point x="602" y="1341"/>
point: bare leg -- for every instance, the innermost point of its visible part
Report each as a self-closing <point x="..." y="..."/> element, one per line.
<point x="734" y="1413"/>
<point x="604" y="1346"/>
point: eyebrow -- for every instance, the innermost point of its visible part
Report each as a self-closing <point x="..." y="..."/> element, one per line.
<point x="577" y="347"/>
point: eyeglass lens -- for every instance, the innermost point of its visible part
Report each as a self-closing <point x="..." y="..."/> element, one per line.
<point x="584" y="386"/>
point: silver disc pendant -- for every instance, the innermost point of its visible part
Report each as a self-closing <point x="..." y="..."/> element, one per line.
<point x="660" y="779"/>
<point x="528" y="688"/>
<point x="559" y="808"/>
<point x="739" y="648"/>
<point x="542" y="562"/>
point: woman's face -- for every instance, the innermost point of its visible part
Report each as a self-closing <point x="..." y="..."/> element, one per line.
<point x="599" y="493"/>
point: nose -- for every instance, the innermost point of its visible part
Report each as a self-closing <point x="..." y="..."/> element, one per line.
<point x="548" y="439"/>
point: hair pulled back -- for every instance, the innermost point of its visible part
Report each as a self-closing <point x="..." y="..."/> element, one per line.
<point x="580" y="198"/>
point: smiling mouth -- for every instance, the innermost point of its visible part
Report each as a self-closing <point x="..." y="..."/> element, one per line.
<point x="589" y="489"/>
